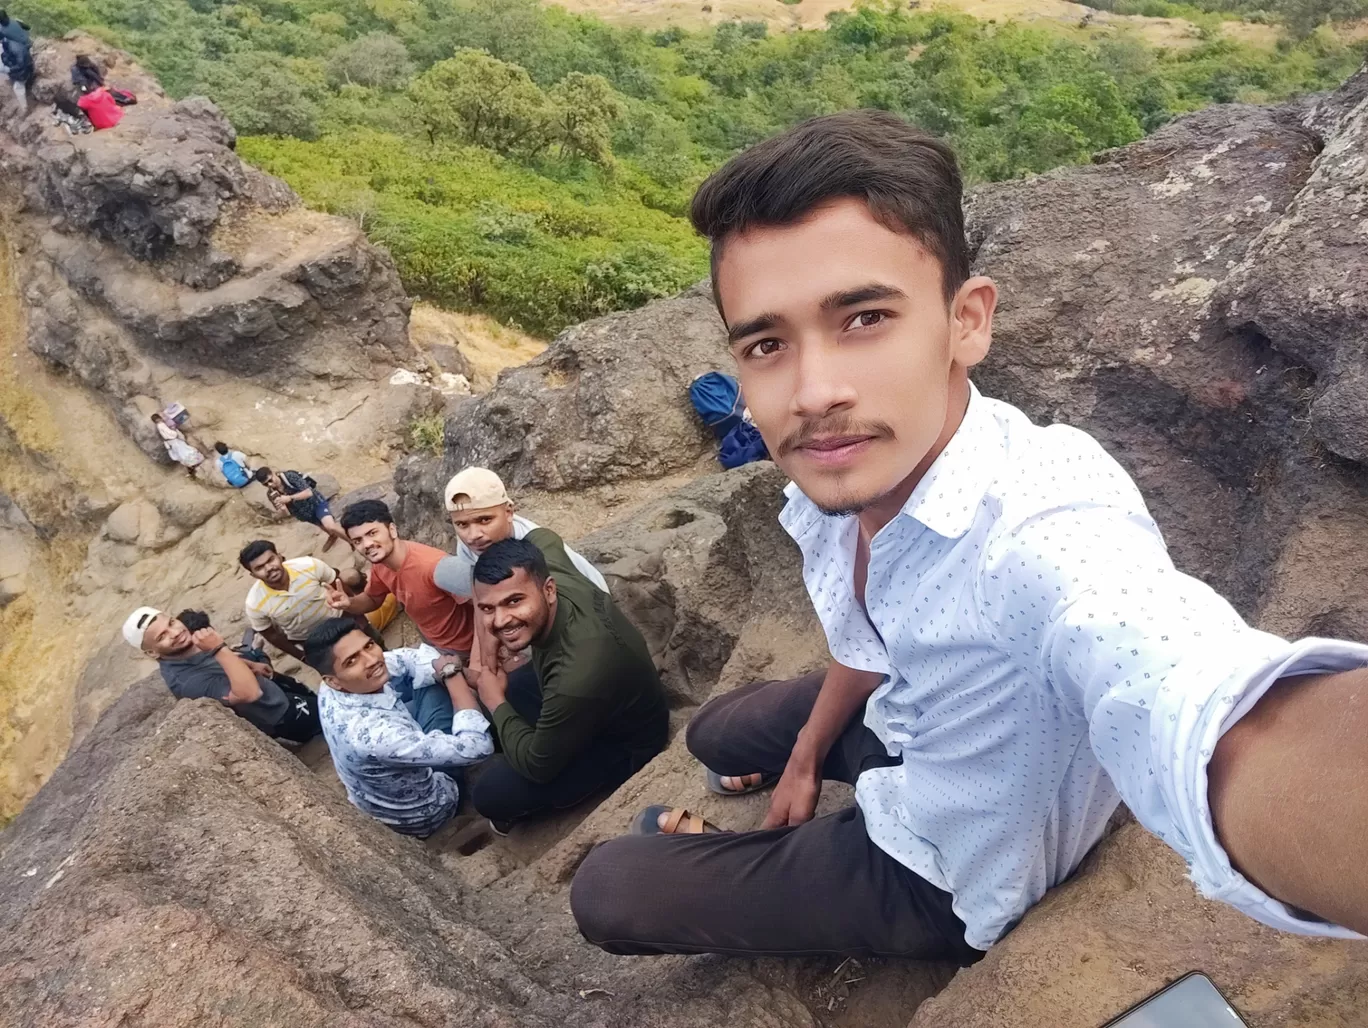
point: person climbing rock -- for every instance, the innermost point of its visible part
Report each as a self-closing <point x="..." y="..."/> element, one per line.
<point x="232" y="465"/>
<point x="16" y="54"/>
<point x="296" y="493"/>
<point x="593" y="714"/>
<point x="177" y="446"/>
<point x="198" y="665"/>
<point x="395" y="766"/>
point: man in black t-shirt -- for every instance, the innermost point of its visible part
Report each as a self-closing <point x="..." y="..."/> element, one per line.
<point x="200" y="664"/>
<point x="296" y="493"/>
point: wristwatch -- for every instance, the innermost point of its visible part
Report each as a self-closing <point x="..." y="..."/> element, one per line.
<point x="451" y="666"/>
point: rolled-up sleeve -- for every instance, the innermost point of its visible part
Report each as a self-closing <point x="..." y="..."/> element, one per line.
<point x="1158" y="663"/>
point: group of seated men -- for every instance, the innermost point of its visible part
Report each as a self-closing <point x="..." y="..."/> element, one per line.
<point x="526" y="667"/>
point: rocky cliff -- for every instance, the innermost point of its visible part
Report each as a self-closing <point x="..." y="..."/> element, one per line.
<point x="1195" y="300"/>
<point x="140" y="266"/>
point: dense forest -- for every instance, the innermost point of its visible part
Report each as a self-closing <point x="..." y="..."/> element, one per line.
<point x="534" y="164"/>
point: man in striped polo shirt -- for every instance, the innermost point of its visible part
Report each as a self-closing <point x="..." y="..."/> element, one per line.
<point x="288" y="598"/>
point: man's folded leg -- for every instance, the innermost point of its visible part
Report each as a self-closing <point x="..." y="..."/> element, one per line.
<point x="432" y="709"/>
<point x="501" y="794"/>
<point x="820" y="888"/>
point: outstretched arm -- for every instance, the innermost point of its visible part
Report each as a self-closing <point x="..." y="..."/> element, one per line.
<point x="1288" y="786"/>
<point x="1246" y="753"/>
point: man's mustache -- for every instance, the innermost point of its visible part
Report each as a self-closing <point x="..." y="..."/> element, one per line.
<point x="837" y="426"/>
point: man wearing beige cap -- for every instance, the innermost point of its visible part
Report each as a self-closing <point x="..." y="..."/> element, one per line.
<point x="483" y="514"/>
<point x="199" y="665"/>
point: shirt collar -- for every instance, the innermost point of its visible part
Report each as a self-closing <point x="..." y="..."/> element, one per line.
<point x="386" y="697"/>
<point x="947" y="498"/>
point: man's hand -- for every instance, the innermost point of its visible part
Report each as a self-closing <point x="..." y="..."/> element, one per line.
<point x="484" y="674"/>
<point x="259" y="669"/>
<point x="337" y="597"/>
<point x="795" y="796"/>
<point x="445" y="665"/>
<point x="206" y="640"/>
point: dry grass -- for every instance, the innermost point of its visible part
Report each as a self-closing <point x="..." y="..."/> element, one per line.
<point x="489" y="346"/>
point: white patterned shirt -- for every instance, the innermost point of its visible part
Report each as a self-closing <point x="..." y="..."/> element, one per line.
<point x="386" y="761"/>
<point x="1042" y="658"/>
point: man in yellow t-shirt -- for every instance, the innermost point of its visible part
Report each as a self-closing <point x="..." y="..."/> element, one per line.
<point x="288" y="597"/>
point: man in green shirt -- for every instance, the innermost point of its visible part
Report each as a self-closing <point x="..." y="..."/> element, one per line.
<point x="595" y="712"/>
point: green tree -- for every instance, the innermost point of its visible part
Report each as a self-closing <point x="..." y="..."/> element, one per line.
<point x="479" y="99"/>
<point x="260" y="95"/>
<point x="376" y="60"/>
<point x="1303" y="17"/>
<point x="582" y="110"/>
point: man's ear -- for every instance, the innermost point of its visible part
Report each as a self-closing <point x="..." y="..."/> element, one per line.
<point x="549" y="589"/>
<point x="330" y="681"/>
<point x="971" y="320"/>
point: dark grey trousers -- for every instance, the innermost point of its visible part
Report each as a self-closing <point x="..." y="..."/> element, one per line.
<point x="820" y="888"/>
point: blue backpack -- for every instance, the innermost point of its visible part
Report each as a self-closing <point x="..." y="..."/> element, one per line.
<point x="234" y="472"/>
<point x="717" y="398"/>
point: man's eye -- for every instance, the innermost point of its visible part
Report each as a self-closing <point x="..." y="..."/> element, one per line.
<point x="868" y="319"/>
<point x="764" y="348"/>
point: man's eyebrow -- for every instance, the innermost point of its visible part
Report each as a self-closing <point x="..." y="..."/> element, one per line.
<point x="760" y="323"/>
<point x="862" y="294"/>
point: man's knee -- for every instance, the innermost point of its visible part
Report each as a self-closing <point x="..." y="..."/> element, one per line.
<point x="494" y="792"/>
<point x="703" y="734"/>
<point x="605" y="913"/>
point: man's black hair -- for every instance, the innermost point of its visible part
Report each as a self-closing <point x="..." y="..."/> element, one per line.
<point x="4" y="18"/>
<point x="318" y="646"/>
<point x="363" y="512"/>
<point x="194" y="620"/>
<point x="262" y="474"/>
<point x="909" y="180"/>
<point x="499" y="561"/>
<point x="253" y="550"/>
<point x="222" y="448"/>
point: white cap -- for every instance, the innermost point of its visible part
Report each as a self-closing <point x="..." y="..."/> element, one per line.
<point x="474" y="489"/>
<point x="136" y="625"/>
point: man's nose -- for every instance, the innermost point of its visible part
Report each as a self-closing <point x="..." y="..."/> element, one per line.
<point x="820" y="386"/>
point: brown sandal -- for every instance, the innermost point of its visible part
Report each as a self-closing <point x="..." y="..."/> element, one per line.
<point x="679" y="822"/>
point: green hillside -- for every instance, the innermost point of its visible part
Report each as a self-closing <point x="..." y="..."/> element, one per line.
<point x="536" y="165"/>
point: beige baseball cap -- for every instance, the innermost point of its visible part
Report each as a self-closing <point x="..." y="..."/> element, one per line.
<point x="475" y="489"/>
<point x="136" y="625"/>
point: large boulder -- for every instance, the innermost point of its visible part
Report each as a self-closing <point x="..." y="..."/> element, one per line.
<point x="1110" y="321"/>
<point x="607" y="401"/>
<point x="695" y="570"/>
<point x="1302" y="284"/>
<point x="180" y="867"/>
<point x="152" y="249"/>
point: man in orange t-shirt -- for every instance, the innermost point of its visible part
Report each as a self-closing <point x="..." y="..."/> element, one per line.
<point x="405" y="569"/>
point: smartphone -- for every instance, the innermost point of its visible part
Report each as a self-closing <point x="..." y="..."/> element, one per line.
<point x="1190" y="1002"/>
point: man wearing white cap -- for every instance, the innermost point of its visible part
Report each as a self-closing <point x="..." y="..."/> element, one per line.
<point x="483" y="514"/>
<point x="198" y="665"/>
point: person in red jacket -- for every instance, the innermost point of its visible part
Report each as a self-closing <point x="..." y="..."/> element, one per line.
<point x="99" y="106"/>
